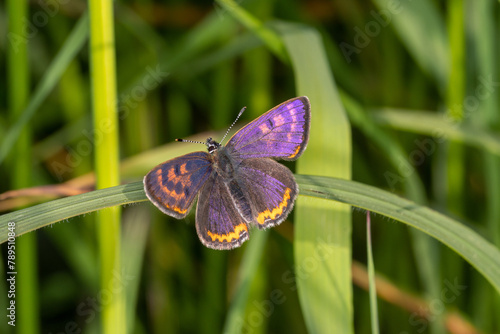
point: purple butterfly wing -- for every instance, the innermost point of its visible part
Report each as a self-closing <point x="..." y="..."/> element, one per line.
<point x="282" y="132"/>
<point x="269" y="189"/>
<point x="218" y="223"/>
<point x="173" y="185"/>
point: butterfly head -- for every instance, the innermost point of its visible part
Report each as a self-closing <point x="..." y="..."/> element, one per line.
<point x="212" y="145"/>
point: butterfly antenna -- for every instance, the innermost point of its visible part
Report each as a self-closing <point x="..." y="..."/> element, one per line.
<point x="189" y="141"/>
<point x="236" y="120"/>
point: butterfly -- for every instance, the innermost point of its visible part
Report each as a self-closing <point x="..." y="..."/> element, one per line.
<point x="239" y="184"/>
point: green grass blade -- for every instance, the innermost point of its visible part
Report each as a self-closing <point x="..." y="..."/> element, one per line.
<point x="455" y="170"/>
<point x="478" y="251"/>
<point x="48" y="213"/>
<point x="326" y="292"/>
<point x="105" y="119"/>
<point x="71" y="47"/>
<point x="439" y="127"/>
<point x="27" y="287"/>
<point x="457" y="72"/>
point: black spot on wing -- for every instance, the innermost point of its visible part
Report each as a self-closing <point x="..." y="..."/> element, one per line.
<point x="270" y="123"/>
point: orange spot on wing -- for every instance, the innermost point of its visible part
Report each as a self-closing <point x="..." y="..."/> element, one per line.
<point x="183" y="169"/>
<point x="169" y="192"/>
<point x="230" y="236"/>
<point x="176" y="209"/>
<point x="295" y="153"/>
<point x="261" y="218"/>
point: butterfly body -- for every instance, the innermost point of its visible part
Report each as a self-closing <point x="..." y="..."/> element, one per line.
<point x="239" y="184"/>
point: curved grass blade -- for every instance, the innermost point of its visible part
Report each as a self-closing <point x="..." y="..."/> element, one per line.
<point x="41" y="215"/>
<point x="474" y="248"/>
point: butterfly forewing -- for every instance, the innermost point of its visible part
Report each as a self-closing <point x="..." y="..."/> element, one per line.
<point x="281" y="133"/>
<point x="173" y="185"/>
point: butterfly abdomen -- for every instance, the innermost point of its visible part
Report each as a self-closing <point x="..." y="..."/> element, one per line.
<point x="240" y="200"/>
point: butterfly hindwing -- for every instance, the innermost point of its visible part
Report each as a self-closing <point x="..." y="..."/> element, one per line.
<point x="282" y="132"/>
<point x="218" y="222"/>
<point x="173" y="185"/>
<point x="269" y="188"/>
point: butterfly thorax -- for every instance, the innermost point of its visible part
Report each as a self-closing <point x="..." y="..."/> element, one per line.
<point x="224" y="163"/>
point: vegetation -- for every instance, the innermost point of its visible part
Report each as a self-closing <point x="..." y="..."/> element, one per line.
<point x="400" y="182"/>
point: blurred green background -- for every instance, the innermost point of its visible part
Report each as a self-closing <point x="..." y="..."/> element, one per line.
<point x="418" y="81"/>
